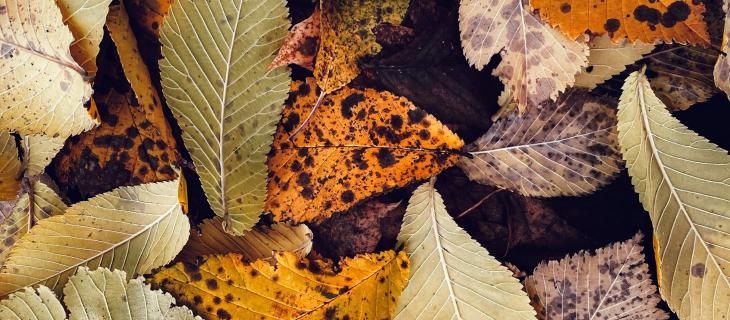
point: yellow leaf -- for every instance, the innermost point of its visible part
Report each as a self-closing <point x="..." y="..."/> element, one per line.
<point x="85" y="19"/>
<point x="225" y="287"/>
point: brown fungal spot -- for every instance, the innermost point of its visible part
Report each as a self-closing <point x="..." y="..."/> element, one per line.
<point x="347" y="196"/>
<point x="228" y="297"/>
<point x="223" y="314"/>
<point x="385" y="158"/>
<point x="197" y="299"/>
<point x="212" y="284"/>
<point x="565" y="7"/>
<point x="698" y="270"/>
<point x="612" y="25"/>
<point x="349" y="102"/>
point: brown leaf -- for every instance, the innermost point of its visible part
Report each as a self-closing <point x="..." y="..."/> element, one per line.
<point x="300" y="45"/>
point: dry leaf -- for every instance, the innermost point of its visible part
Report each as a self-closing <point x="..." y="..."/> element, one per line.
<point x="39" y="303"/>
<point x="225" y="287"/>
<point x="608" y="59"/>
<point x="563" y="148"/>
<point x="227" y="105"/>
<point x="135" y="229"/>
<point x="262" y="242"/>
<point x="347" y="36"/>
<point x="45" y="89"/>
<point x="683" y="181"/>
<point x="722" y="66"/>
<point x="368" y="142"/>
<point x="453" y="276"/>
<point x="10" y="167"/>
<point x="537" y="63"/>
<point x="300" y="45"/>
<point x="85" y="19"/>
<point x="615" y="283"/>
<point x="682" y="75"/>
<point x="38" y="151"/>
<point x="648" y="21"/>
<point x="149" y="14"/>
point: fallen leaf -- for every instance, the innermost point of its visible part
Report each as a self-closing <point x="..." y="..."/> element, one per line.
<point x="85" y="19"/>
<point x="52" y="102"/>
<point x="359" y="230"/>
<point x="563" y="148"/>
<point x="10" y="167"/>
<point x="648" y="21"/>
<point x="38" y="151"/>
<point x="149" y="14"/>
<point x="607" y="59"/>
<point x="346" y="37"/>
<point x="39" y="303"/>
<point x="259" y="243"/>
<point x="722" y="66"/>
<point x="453" y="277"/>
<point x="228" y="106"/>
<point x="369" y="142"/>
<point x="135" y="229"/>
<point x="615" y="283"/>
<point x="683" y="181"/>
<point x="225" y="287"/>
<point x="134" y="143"/>
<point x="538" y="63"/>
<point x="300" y="45"/>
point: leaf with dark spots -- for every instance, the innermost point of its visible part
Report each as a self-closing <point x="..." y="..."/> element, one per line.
<point x="347" y="159"/>
<point x="300" y="45"/>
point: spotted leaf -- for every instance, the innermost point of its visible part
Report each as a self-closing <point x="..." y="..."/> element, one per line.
<point x="608" y="59"/>
<point x="357" y="144"/>
<point x="347" y="36"/>
<point x="613" y="283"/>
<point x="566" y="147"/>
<point x="10" y="167"/>
<point x="300" y="45"/>
<point x="648" y="21"/>
<point x="226" y="287"/>
<point x="537" y="62"/>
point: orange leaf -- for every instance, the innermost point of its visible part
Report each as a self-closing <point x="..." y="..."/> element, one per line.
<point x="358" y="143"/>
<point x="149" y="14"/>
<point x="648" y="21"/>
<point x="300" y="44"/>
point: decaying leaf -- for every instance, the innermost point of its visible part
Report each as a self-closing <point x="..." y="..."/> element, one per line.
<point x="134" y="229"/>
<point x="10" y="167"/>
<point x="300" y="45"/>
<point x="537" y="63"/>
<point x="134" y="143"/>
<point x="359" y="143"/>
<point x="149" y="14"/>
<point x="33" y="205"/>
<point x="45" y="89"/>
<point x="683" y="181"/>
<point x="722" y="66"/>
<point x="608" y="59"/>
<point x="347" y="36"/>
<point x="648" y="21"/>
<point x="615" y="283"/>
<point x="566" y="147"/>
<point x="681" y="76"/>
<point x="98" y="294"/>
<point x="38" y="151"/>
<point x="85" y="19"/>
<point x="259" y="243"/>
<point x="227" y="105"/>
<point x="226" y="287"/>
<point x="453" y="277"/>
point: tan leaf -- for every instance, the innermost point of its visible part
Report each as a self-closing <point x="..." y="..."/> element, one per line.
<point x="10" y="167"/>
<point x="722" y="66"/>
<point x="615" y="283"/>
<point x="31" y="303"/>
<point x="300" y="45"/>
<point x="538" y="62"/>
<point x="38" y="151"/>
<point x="608" y="59"/>
<point x="259" y="243"/>
<point x="85" y="19"/>
<point x="566" y="147"/>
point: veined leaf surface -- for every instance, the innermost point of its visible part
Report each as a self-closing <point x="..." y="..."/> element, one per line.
<point x="85" y="19"/>
<point x="10" y="167"/>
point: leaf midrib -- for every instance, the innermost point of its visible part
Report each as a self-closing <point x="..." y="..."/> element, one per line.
<point x="74" y="67"/>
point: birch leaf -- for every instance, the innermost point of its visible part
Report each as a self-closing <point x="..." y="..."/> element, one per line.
<point x="453" y="277"/>
<point x="85" y="19"/>
<point x="134" y="229"/>
<point x="257" y="243"/>
<point x="52" y="102"/>
<point x="683" y="181"/>
<point x="608" y="59"/>
<point x="227" y="103"/>
<point x="10" y="167"/>
<point x="225" y="287"/>
<point x="31" y="303"/>
<point x="563" y="148"/>
<point x="537" y="63"/>
<point x="615" y="283"/>
<point x="38" y="151"/>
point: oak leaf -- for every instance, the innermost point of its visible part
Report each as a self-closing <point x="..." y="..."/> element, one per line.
<point x="538" y="63"/>
<point x="358" y="144"/>
<point x="227" y="105"/>
<point x="300" y="45"/>
<point x="648" y="21"/>
<point x="85" y="19"/>
<point x="226" y="287"/>
<point x="453" y="277"/>
<point x="683" y="182"/>
<point x="261" y="242"/>
<point x="347" y="36"/>
<point x="563" y="148"/>
<point x="608" y="58"/>
<point x="613" y="283"/>
<point x="10" y="167"/>
<point x="45" y="88"/>
<point x="135" y="229"/>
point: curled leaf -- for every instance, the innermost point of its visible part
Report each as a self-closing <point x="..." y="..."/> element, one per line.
<point x="300" y="45"/>
<point x="85" y="19"/>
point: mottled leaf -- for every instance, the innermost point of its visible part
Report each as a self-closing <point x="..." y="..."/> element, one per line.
<point x="300" y="45"/>
<point x="226" y="287"/>
<point x="608" y="59"/>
